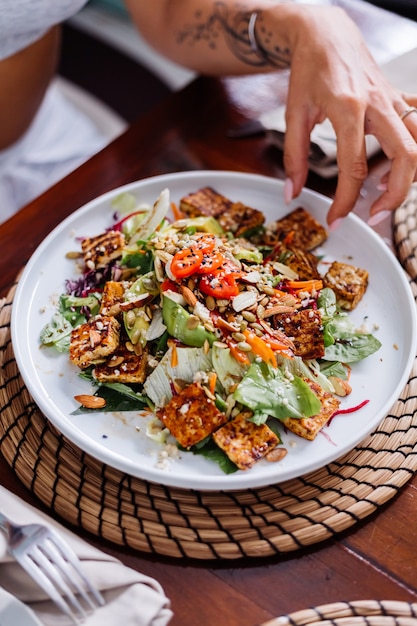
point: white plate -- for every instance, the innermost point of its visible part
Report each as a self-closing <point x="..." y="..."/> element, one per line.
<point x="387" y="309"/>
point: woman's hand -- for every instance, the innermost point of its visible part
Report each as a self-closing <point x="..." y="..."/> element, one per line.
<point x="334" y="76"/>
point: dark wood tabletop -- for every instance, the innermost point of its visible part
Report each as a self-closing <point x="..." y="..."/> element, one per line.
<point x="377" y="558"/>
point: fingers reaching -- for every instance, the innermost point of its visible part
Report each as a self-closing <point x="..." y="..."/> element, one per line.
<point x="396" y="132"/>
<point x="297" y="145"/>
<point x="407" y="112"/>
<point x="408" y="116"/>
<point x="398" y="141"/>
<point x="350" y="91"/>
<point x="352" y="164"/>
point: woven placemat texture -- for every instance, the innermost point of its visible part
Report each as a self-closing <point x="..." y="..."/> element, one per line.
<point x="358" y="613"/>
<point x="176" y="522"/>
<point x="405" y="233"/>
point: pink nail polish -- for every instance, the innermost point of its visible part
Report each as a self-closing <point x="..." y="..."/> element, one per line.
<point x="382" y="187"/>
<point x="334" y="225"/>
<point x="378" y="217"/>
<point x="288" y="190"/>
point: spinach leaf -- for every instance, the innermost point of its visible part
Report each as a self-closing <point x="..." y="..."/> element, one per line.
<point x="118" y="396"/>
<point x="349" y="348"/>
<point x="267" y="391"/>
<point x="57" y="333"/>
<point x="210" y="450"/>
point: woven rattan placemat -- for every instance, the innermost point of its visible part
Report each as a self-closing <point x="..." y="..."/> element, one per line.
<point x="206" y="525"/>
<point x="405" y="233"/>
<point x="359" y="613"/>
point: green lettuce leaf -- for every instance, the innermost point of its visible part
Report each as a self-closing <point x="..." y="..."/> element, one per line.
<point x="267" y="391"/>
<point x="57" y="333"/>
<point x="351" y="347"/>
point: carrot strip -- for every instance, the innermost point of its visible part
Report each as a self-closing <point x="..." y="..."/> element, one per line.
<point x="178" y="215"/>
<point x="289" y="238"/>
<point x="275" y="344"/>
<point x="279" y="292"/>
<point x="260" y="348"/>
<point x="305" y="285"/>
<point x="212" y="381"/>
<point x="237" y="354"/>
<point x="174" y="355"/>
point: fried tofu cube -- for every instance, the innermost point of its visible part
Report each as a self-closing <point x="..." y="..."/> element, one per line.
<point x="94" y="341"/>
<point x="240" y="219"/>
<point x="348" y="282"/>
<point x="244" y="442"/>
<point x="300" y="228"/>
<point x="99" y="251"/>
<point x="191" y="415"/>
<point x="232" y="216"/>
<point x="309" y="427"/>
<point x="305" y="329"/>
<point x="124" y="366"/>
<point x="206" y="202"/>
<point x="303" y="263"/>
<point x="112" y="296"/>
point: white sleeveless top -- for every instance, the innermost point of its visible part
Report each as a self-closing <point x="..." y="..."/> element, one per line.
<point x="24" y="21"/>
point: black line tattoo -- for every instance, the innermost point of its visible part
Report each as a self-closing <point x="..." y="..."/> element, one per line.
<point x="256" y="49"/>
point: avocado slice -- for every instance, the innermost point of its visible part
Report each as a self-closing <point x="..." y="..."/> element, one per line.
<point x="180" y="324"/>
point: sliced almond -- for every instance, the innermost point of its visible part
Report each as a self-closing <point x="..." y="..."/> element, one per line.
<point x="115" y="361"/>
<point x="73" y="255"/>
<point x="189" y="296"/>
<point x="136" y="303"/>
<point x="95" y="337"/>
<point x="244" y="300"/>
<point x="90" y="402"/>
<point x="192" y="322"/>
<point x="279" y="308"/>
<point x="341" y="387"/>
<point x="277" y="454"/>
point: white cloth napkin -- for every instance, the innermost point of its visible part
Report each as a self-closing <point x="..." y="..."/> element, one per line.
<point x="64" y="133"/>
<point x="132" y="599"/>
<point x="401" y="72"/>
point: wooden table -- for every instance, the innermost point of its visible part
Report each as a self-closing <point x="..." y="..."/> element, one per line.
<point x="377" y="559"/>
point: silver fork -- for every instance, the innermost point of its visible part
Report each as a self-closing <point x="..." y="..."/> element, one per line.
<point x="53" y="565"/>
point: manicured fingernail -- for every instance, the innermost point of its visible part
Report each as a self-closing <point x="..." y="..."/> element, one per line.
<point x="378" y="217"/>
<point x="335" y="224"/>
<point x="288" y="190"/>
<point x="382" y="187"/>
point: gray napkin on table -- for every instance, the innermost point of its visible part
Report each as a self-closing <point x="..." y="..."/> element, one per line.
<point x="132" y="599"/>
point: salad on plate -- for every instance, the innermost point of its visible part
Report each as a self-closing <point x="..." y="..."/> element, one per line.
<point x="224" y="331"/>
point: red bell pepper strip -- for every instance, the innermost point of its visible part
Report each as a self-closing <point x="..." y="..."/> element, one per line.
<point x="185" y="262"/>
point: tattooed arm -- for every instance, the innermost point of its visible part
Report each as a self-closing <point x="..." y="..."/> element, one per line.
<point x="213" y="37"/>
<point x="332" y="76"/>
